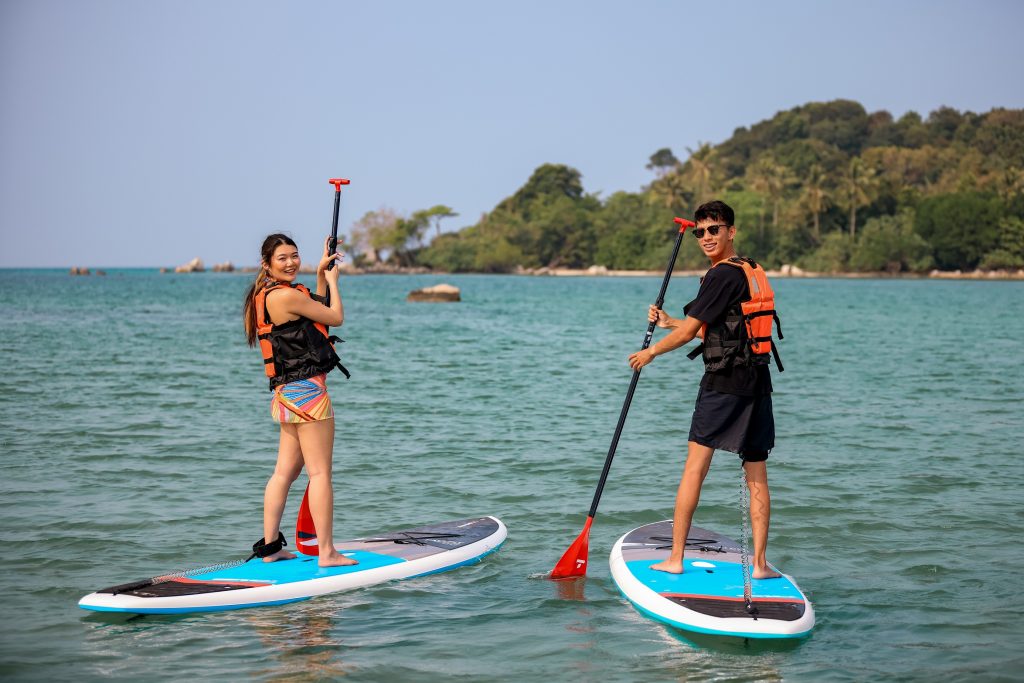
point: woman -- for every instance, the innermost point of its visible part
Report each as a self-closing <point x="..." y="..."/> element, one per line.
<point x="290" y="325"/>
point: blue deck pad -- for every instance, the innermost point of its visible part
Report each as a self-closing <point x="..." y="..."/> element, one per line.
<point x="302" y="568"/>
<point x="724" y="580"/>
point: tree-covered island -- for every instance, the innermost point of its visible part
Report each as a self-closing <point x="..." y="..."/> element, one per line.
<point x="826" y="186"/>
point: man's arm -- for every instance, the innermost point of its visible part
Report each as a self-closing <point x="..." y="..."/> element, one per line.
<point x="683" y="330"/>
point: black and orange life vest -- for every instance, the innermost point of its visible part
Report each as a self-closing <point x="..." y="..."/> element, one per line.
<point x="297" y="349"/>
<point x="744" y="336"/>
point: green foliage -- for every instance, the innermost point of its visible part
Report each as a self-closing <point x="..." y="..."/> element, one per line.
<point x="752" y="235"/>
<point x="1001" y="135"/>
<point x="632" y="230"/>
<point x="1010" y="250"/>
<point x="833" y="256"/>
<point x="497" y="257"/>
<point x="841" y="123"/>
<point x="858" y="186"/>
<point x="960" y="227"/>
<point x="826" y="185"/>
<point x="911" y="131"/>
<point x="662" y="161"/>
<point x="889" y="243"/>
<point x="437" y="214"/>
<point x="800" y="156"/>
<point x="454" y="252"/>
<point x="547" y="183"/>
<point x="944" y="123"/>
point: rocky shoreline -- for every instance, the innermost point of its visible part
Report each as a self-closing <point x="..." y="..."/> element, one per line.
<point x="786" y="271"/>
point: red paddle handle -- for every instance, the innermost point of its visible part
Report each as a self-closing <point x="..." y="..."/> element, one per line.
<point x="683" y="223"/>
<point x="338" y="182"/>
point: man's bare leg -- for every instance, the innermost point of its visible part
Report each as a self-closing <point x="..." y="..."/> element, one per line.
<point x="760" y="516"/>
<point x="698" y="460"/>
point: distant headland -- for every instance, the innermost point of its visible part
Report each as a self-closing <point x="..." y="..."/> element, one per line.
<point x="825" y="189"/>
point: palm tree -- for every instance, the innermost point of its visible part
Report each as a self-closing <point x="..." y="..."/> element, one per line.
<point x="437" y="213"/>
<point x="857" y="186"/>
<point x="1010" y="183"/>
<point x="699" y="171"/>
<point x="771" y="179"/>
<point x="662" y="162"/>
<point x="816" y="198"/>
<point x="757" y="181"/>
<point x="671" y="191"/>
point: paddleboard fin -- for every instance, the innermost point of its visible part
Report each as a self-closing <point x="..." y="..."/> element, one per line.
<point x="305" y="530"/>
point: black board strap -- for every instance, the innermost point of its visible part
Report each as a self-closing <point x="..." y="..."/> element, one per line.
<point x="263" y="549"/>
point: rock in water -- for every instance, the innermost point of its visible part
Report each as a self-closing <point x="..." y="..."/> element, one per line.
<point x="193" y="266"/>
<point x="435" y="294"/>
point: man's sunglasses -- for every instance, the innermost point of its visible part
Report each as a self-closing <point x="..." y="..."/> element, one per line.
<point x="713" y="229"/>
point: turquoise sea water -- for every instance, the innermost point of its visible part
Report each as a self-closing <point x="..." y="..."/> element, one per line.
<point x="136" y="439"/>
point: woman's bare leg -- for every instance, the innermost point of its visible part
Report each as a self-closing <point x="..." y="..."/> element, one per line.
<point x="289" y="464"/>
<point x="698" y="460"/>
<point x="317" y="442"/>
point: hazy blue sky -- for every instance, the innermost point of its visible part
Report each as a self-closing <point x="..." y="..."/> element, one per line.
<point x="148" y="132"/>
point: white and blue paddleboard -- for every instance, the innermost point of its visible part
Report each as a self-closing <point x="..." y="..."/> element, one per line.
<point x="708" y="596"/>
<point x="384" y="557"/>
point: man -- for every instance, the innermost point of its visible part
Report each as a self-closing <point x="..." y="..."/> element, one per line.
<point x="734" y="404"/>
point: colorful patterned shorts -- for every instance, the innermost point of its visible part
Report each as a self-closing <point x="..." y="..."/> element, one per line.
<point x="304" y="400"/>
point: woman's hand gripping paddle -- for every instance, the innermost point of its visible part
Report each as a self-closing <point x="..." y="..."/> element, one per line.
<point x="305" y="530"/>
<point x="332" y="246"/>
<point x="574" y="562"/>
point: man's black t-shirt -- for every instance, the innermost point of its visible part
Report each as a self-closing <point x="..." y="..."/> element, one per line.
<point x="723" y="288"/>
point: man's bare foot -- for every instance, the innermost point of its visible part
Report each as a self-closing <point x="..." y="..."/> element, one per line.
<point x="765" y="572"/>
<point x="336" y="560"/>
<point x="670" y="566"/>
<point x="279" y="555"/>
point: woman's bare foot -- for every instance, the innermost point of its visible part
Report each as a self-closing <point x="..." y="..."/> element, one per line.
<point x="671" y="566"/>
<point x="336" y="560"/>
<point x="279" y="555"/>
<point x="765" y="572"/>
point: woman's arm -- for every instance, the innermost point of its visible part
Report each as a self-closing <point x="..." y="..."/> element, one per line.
<point x="291" y="304"/>
<point x="285" y="305"/>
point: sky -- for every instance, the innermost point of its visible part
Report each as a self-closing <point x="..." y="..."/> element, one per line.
<point x="138" y="133"/>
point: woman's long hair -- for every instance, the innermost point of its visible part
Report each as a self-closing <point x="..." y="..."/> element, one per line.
<point x="262" y="280"/>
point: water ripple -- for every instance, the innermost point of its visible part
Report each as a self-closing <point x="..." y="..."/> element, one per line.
<point x="146" y="446"/>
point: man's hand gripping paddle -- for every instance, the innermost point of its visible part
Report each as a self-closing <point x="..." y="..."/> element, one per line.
<point x="574" y="562"/>
<point x="305" y="530"/>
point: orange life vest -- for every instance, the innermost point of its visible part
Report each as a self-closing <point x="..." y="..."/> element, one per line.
<point x="297" y="349"/>
<point x="749" y="343"/>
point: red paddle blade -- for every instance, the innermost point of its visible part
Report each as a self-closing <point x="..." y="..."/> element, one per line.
<point x="574" y="562"/>
<point x="305" y="530"/>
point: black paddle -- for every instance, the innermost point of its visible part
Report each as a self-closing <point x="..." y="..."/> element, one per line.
<point x="305" y="530"/>
<point x="574" y="562"/>
<point x="332" y="245"/>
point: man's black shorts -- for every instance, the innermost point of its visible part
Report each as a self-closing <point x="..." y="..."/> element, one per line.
<point x="743" y="425"/>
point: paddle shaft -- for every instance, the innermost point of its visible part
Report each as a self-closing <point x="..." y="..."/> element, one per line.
<point x="304" y="524"/>
<point x="332" y="245"/>
<point x="636" y="378"/>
